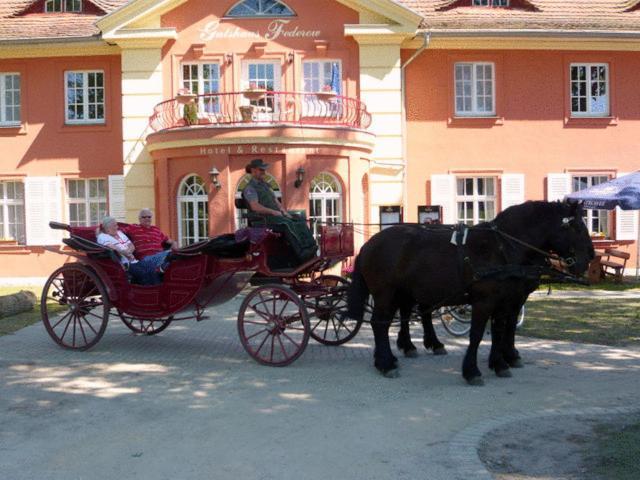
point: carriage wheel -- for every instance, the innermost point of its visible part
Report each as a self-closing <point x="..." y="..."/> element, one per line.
<point x="330" y="325"/>
<point x="145" y="326"/>
<point x="456" y="320"/>
<point x="85" y="304"/>
<point x="273" y="325"/>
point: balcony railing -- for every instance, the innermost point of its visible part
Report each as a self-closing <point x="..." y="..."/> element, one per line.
<point x="257" y="107"/>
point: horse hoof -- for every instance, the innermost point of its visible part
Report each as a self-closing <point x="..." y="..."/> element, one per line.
<point x="517" y="363"/>
<point x="475" y="381"/>
<point x="440" y="351"/>
<point x="506" y="373"/>
<point x="411" y="353"/>
<point x="393" y="373"/>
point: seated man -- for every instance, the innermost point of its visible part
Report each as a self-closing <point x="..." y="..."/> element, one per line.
<point x="149" y="241"/>
<point x="261" y="200"/>
<point x="110" y="236"/>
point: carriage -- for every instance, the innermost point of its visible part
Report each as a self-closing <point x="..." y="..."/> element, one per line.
<point x="285" y="307"/>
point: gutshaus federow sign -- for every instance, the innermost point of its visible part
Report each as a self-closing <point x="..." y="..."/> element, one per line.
<point x="278" y="28"/>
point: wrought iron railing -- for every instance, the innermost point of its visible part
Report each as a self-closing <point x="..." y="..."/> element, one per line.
<point x="260" y="108"/>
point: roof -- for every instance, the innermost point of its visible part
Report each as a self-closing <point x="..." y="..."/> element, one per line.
<point x="610" y="15"/>
<point x="25" y="20"/>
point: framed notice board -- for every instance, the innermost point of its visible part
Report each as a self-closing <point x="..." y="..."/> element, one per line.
<point x="429" y="214"/>
<point x="390" y="215"/>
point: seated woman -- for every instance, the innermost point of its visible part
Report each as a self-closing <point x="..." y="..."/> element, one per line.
<point x="143" y="273"/>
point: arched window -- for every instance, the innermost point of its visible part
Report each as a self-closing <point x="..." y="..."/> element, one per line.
<point x="193" y="211"/>
<point x="325" y="201"/>
<point x="260" y="8"/>
<point x="241" y="221"/>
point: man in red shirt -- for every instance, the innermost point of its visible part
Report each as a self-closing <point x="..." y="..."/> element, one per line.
<point x="149" y="241"/>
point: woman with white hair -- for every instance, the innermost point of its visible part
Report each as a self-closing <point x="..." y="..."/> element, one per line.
<point x="110" y="236"/>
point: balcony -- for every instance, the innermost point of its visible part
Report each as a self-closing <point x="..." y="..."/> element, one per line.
<point x="259" y="108"/>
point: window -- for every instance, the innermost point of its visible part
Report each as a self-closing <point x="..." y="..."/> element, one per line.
<point x="263" y="75"/>
<point x="12" y="211"/>
<point x="474" y="89"/>
<point x="597" y="221"/>
<point x="260" y="8"/>
<point x="9" y="98"/>
<point x="325" y="202"/>
<point x="241" y="220"/>
<point x="193" y="211"/>
<point x="476" y="199"/>
<point x="319" y="76"/>
<point x="203" y="79"/>
<point x="490" y="3"/>
<point x="84" y="97"/>
<point x="87" y="199"/>
<point x="52" y="6"/>
<point x="589" y="89"/>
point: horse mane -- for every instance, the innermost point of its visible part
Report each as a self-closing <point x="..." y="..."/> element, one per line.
<point x="532" y="212"/>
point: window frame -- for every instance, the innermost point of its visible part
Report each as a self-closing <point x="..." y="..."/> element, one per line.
<point x="87" y="201"/>
<point x="474" y="112"/>
<point x="321" y="61"/>
<point x="258" y="15"/>
<point x="475" y="198"/>
<point x="85" y="103"/>
<point x="194" y="200"/>
<point x="203" y="102"/>
<point x="336" y="196"/>
<point x="589" y="212"/>
<point x="589" y="113"/>
<point x="3" y="105"/>
<point x="489" y="3"/>
<point x="63" y="6"/>
<point x="5" y="204"/>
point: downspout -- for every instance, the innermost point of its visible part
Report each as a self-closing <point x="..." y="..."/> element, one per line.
<point x="405" y="142"/>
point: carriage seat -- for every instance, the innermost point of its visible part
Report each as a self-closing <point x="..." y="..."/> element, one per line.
<point x="222" y="246"/>
<point x="253" y="219"/>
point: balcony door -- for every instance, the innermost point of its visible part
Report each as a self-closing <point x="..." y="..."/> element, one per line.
<point x="263" y="75"/>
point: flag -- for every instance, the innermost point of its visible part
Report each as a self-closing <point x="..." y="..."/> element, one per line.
<point x="335" y="78"/>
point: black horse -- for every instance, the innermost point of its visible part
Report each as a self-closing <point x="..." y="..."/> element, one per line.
<point x="494" y="267"/>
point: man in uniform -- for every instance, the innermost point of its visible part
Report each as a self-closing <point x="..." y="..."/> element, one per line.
<point x="262" y="201"/>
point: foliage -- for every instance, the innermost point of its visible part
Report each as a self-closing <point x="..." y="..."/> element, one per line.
<point x="191" y="113"/>
<point x="616" y="453"/>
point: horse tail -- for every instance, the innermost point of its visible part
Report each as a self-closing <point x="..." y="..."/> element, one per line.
<point x="358" y="293"/>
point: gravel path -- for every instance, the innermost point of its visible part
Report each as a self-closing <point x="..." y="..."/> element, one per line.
<point x="190" y="404"/>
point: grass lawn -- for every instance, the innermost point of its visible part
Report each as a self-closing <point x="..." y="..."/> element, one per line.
<point x="605" y="321"/>
<point x="616" y="452"/>
<point x="16" y="322"/>
<point x="629" y="283"/>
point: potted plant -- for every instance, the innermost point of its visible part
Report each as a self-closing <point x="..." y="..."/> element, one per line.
<point x="253" y="92"/>
<point x="190" y="113"/>
<point x="326" y="94"/>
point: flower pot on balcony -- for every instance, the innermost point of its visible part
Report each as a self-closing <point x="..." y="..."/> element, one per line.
<point x="185" y="98"/>
<point x="254" y="94"/>
<point x="326" y="96"/>
<point x="246" y="111"/>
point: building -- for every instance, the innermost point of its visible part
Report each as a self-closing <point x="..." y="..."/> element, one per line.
<point x="367" y="111"/>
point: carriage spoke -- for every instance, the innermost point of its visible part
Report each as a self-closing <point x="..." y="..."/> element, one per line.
<point x="256" y="334"/>
<point x="336" y="330"/>
<point x="284" y="350"/>
<point x="316" y="325"/>
<point x="262" y="345"/>
<point x="263" y="315"/>
<point x="62" y="319"/>
<point x="82" y="330"/>
<point x="272" y="345"/>
<point x="89" y="325"/>
<point x="67" y="327"/>
<point x="282" y="310"/>
<point x="74" y="331"/>
<point x="291" y="340"/>
<point x="94" y="315"/>
<point x="326" y="328"/>
<point x="84" y="281"/>
<point x="257" y="323"/>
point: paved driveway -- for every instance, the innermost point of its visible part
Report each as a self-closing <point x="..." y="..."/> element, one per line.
<point x="190" y="404"/>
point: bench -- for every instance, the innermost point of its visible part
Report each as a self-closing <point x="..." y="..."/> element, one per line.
<point x="614" y="263"/>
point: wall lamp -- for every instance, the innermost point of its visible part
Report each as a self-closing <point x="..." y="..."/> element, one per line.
<point x="290" y="57"/>
<point x="299" y="177"/>
<point x="229" y="58"/>
<point x="214" y="174"/>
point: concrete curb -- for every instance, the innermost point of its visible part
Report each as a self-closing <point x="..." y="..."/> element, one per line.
<point x="463" y="448"/>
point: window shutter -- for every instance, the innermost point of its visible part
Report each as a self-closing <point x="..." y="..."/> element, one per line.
<point x="626" y="222"/>
<point x="443" y="192"/>
<point x="512" y="189"/>
<point x="42" y="205"/>
<point x="558" y="186"/>
<point x="117" y="207"/>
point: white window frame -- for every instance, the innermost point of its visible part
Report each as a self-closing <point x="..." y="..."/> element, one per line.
<point x="325" y="196"/>
<point x="261" y="13"/>
<point x="3" y="105"/>
<point x="474" y="112"/>
<point x="49" y="6"/>
<point x="5" y="205"/>
<point x="321" y="63"/>
<point x="209" y="104"/>
<point x="475" y="198"/>
<point x="85" y="96"/>
<point x="194" y="200"/>
<point x="87" y="201"/>
<point x="593" y="214"/>
<point x="589" y="83"/>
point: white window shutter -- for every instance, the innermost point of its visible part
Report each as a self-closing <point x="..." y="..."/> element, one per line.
<point x="512" y="189"/>
<point x="42" y="205"/>
<point x="558" y="186"/>
<point x="626" y="221"/>
<point x="443" y="192"/>
<point x="117" y="207"/>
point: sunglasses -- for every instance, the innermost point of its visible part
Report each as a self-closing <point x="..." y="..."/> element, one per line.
<point x="146" y="216"/>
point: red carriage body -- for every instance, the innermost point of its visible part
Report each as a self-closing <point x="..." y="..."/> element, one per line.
<point x="205" y="274"/>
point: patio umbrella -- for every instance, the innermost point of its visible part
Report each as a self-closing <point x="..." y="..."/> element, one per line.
<point x="623" y="192"/>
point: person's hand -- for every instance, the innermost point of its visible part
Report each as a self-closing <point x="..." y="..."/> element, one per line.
<point x="174" y="246"/>
<point x="277" y="213"/>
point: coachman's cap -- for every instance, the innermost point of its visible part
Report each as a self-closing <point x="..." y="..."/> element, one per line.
<point x="257" y="163"/>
